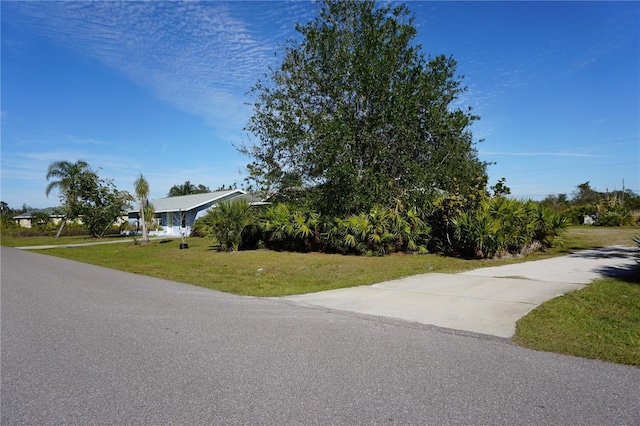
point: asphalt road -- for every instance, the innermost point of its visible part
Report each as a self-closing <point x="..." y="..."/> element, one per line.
<point x="82" y="344"/>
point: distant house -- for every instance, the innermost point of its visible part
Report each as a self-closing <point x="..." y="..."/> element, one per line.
<point x="25" y="220"/>
<point x="176" y="214"/>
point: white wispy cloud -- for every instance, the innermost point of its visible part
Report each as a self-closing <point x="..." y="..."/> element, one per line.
<point x="200" y="57"/>
<point x="610" y="37"/>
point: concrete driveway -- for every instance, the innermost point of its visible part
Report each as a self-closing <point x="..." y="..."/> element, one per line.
<point x="487" y="301"/>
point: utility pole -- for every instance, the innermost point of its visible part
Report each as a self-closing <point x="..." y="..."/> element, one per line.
<point x="622" y="204"/>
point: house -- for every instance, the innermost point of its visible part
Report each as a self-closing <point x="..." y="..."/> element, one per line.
<point x="26" y="220"/>
<point x="176" y="214"/>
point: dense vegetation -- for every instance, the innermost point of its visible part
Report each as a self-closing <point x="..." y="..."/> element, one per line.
<point x="615" y="208"/>
<point x="492" y="226"/>
<point x="84" y="194"/>
<point x="499" y="226"/>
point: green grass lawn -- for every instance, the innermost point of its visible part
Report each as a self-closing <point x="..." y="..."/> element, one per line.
<point x="586" y="237"/>
<point x="601" y="321"/>
<point x="11" y="241"/>
<point x="259" y="272"/>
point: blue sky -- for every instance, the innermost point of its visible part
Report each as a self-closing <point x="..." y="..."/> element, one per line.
<point x="159" y="88"/>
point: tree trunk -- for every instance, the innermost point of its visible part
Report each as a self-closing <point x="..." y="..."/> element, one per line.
<point x="62" y="224"/>
<point x="145" y="236"/>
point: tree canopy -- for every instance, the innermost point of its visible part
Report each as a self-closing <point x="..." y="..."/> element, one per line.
<point x="187" y="188"/>
<point x="84" y="194"/>
<point x="66" y="177"/>
<point x="355" y="115"/>
<point x="100" y="203"/>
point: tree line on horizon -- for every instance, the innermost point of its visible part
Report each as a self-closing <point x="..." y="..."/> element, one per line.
<point x="609" y="208"/>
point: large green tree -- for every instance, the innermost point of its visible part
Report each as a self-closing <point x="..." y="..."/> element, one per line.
<point x="100" y="203"/>
<point x="66" y="177"/>
<point x="356" y="115"/>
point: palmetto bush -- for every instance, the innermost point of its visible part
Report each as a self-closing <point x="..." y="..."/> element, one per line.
<point x="290" y="228"/>
<point x="380" y="231"/>
<point x="275" y="223"/>
<point x="475" y="234"/>
<point x="506" y="226"/>
<point x="411" y="232"/>
<point x="364" y="233"/>
<point x="231" y="223"/>
<point x="547" y="225"/>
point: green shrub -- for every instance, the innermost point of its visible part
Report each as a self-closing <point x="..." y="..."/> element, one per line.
<point x="615" y="218"/>
<point x="381" y="231"/>
<point x="442" y="212"/>
<point x="364" y="233"/>
<point x="411" y="232"/>
<point x="575" y="215"/>
<point x="286" y="227"/>
<point x="474" y="234"/>
<point x="503" y="226"/>
<point x="609" y="219"/>
<point x="7" y="222"/>
<point x="547" y="225"/>
<point x="231" y="223"/>
<point x="199" y="228"/>
<point x="72" y="229"/>
<point x="278" y="227"/>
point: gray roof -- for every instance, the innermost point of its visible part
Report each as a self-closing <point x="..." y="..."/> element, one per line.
<point x="188" y="202"/>
<point x="51" y="211"/>
<point x="252" y="199"/>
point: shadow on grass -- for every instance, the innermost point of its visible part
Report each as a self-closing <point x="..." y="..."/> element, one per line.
<point x="164" y="241"/>
<point x="606" y="253"/>
<point x="628" y="273"/>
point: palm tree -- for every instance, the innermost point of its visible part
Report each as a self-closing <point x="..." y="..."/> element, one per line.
<point x="187" y="188"/>
<point x="141" y="187"/>
<point x="68" y="184"/>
